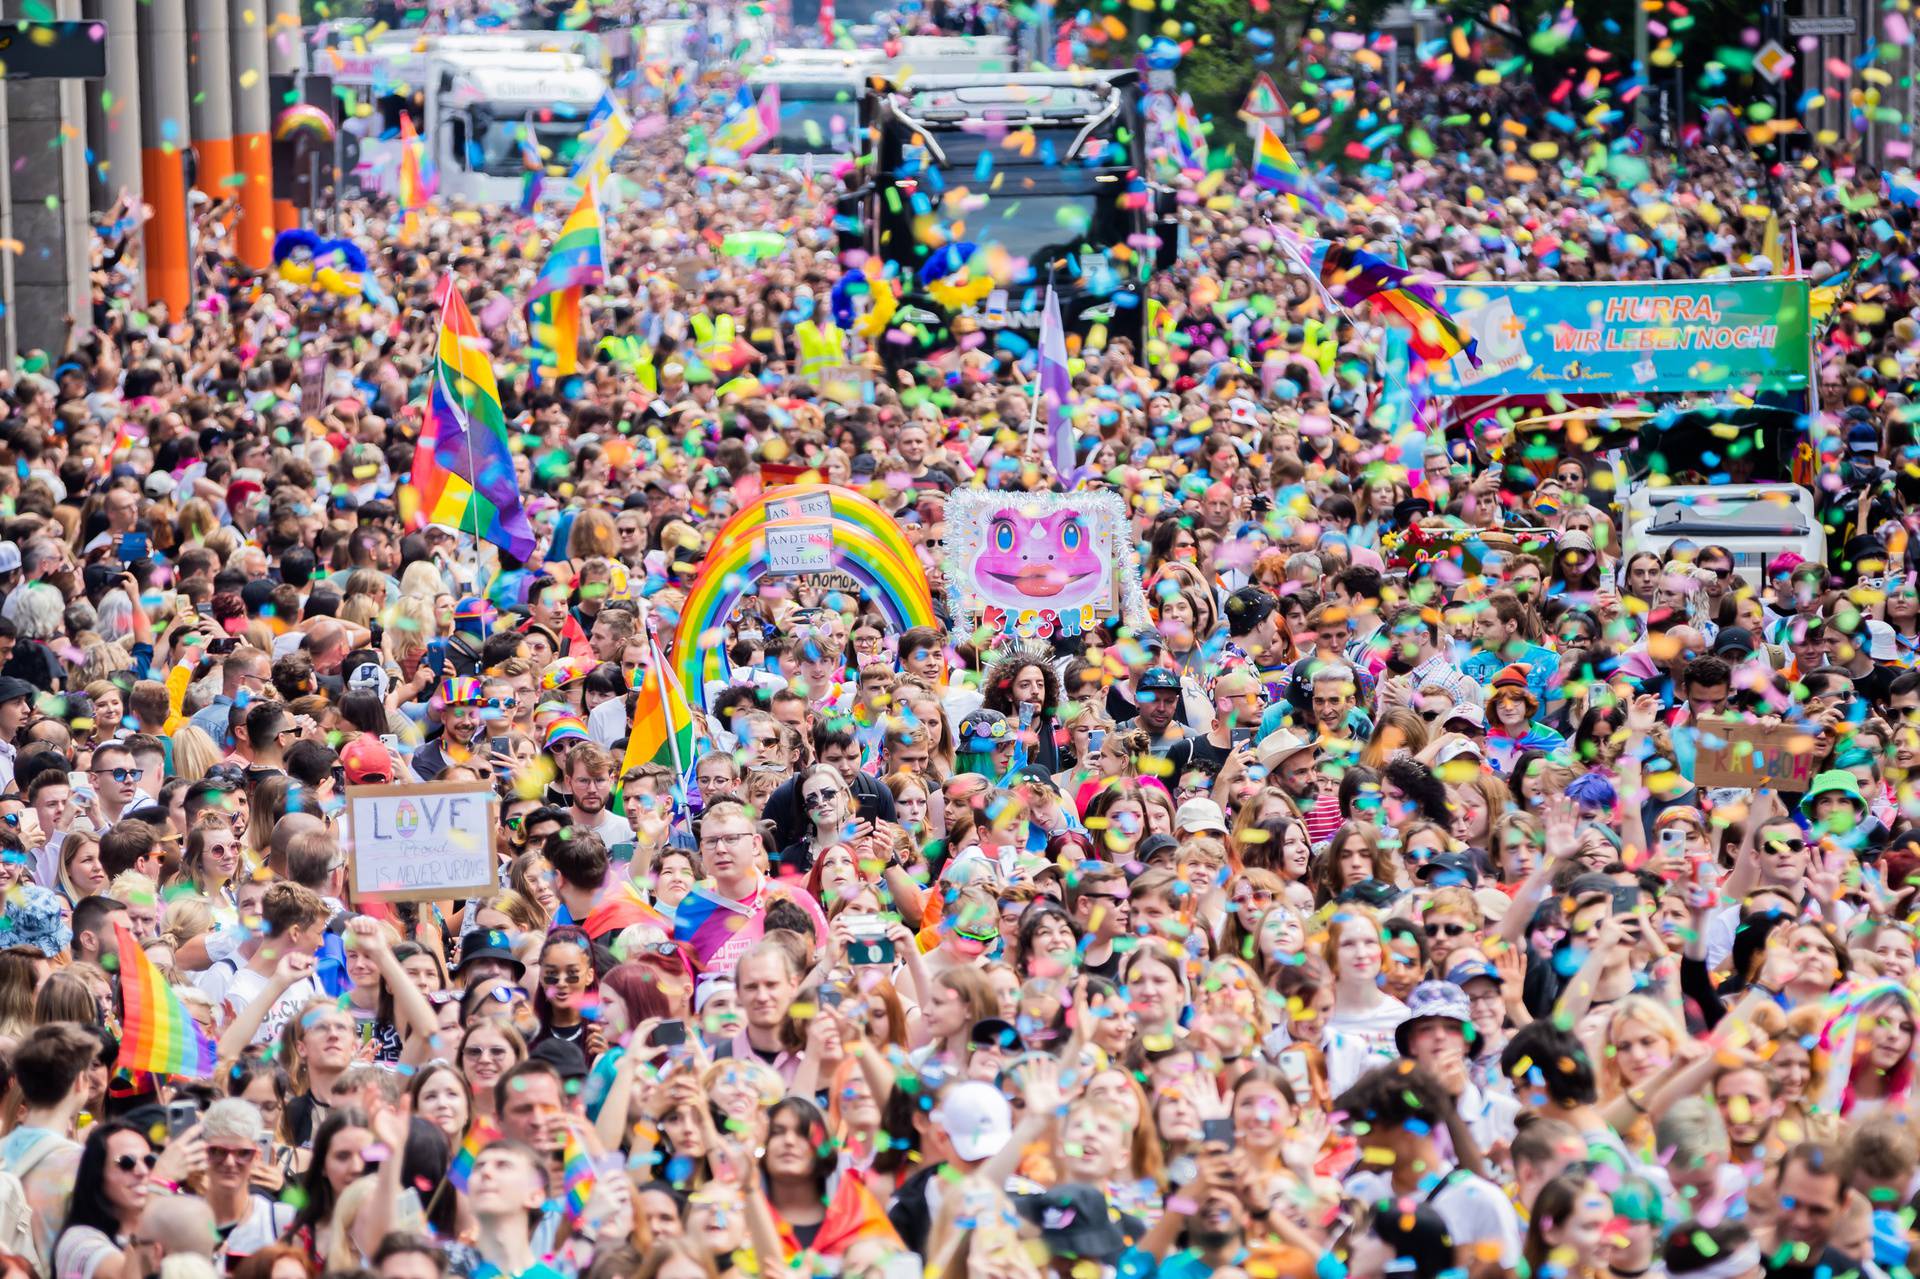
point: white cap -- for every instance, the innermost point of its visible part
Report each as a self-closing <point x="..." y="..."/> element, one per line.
<point x="1883" y="646"/>
<point x="1200" y="814"/>
<point x="1459" y="748"/>
<point x="9" y="557"/>
<point x="977" y="1119"/>
<point x="1466" y="711"/>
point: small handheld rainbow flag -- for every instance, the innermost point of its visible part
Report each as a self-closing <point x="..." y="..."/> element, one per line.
<point x="157" y="1034"/>
<point x="662" y="724"/>
<point x="1274" y="169"/>
<point x="412" y="189"/>
<point x="479" y="1137"/>
<point x="576" y="1172"/>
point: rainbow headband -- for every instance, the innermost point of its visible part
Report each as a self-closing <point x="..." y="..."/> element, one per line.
<point x="868" y="546"/>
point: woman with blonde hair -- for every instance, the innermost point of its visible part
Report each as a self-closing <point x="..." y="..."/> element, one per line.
<point x="1636" y="1048"/>
<point x="595" y="535"/>
<point x="193" y="752"/>
<point x="405" y="633"/>
<point x="1400" y="729"/>
<point x="195" y="523"/>
<point x="1799" y="1062"/>
<point x="359" y="610"/>
<point x="109" y="709"/>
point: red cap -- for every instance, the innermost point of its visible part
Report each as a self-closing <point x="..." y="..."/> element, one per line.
<point x="366" y="761"/>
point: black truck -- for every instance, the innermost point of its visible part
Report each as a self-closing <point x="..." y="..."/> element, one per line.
<point x="1060" y="160"/>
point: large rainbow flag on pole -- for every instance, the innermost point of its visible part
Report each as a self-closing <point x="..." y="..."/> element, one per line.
<point x="462" y="466"/>
<point x="157" y="1034"/>
<point x="576" y="262"/>
<point x="1348" y="278"/>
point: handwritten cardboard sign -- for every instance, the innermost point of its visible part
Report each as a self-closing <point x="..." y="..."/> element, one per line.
<point x="424" y="842"/>
<point x="1733" y="753"/>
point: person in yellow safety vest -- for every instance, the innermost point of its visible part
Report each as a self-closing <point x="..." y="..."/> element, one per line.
<point x="822" y="347"/>
<point x="717" y="341"/>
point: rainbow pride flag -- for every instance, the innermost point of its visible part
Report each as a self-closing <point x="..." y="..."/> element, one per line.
<point x="1274" y="169"/>
<point x="754" y="126"/>
<point x="662" y="724"/>
<point x="1353" y="277"/>
<point x="479" y="1137"/>
<point x="578" y="255"/>
<point x="554" y="321"/>
<point x="157" y="1034"/>
<point x="576" y="262"/>
<point x="413" y="189"/>
<point x="462" y="466"/>
<point x="1189" y="143"/>
<point x="576" y="1174"/>
<point x="535" y="165"/>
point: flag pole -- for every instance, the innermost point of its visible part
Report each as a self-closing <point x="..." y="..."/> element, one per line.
<point x="473" y="478"/>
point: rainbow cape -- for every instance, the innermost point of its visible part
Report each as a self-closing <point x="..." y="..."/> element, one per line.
<point x="706" y="921"/>
<point x="621" y="907"/>
<point x="852" y="1213"/>
<point x="1351" y="278"/>
<point x="157" y="1034"/>
<point x="462" y="465"/>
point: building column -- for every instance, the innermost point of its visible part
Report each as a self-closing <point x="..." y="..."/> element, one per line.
<point x="283" y="59"/>
<point x="252" y="123"/>
<point x="46" y="204"/>
<point x="164" y="132"/>
<point x="210" y="77"/>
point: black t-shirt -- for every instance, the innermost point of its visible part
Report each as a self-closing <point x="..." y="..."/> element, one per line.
<point x="1189" y="749"/>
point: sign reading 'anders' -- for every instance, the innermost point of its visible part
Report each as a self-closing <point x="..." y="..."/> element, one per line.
<point x="424" y="842"/>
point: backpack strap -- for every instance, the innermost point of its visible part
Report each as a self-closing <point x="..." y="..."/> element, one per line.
<point x="1441" y="1185"/>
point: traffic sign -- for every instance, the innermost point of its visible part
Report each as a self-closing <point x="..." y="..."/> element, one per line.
<point x="1773" y="62"/>
<point x="1822" y="26"/>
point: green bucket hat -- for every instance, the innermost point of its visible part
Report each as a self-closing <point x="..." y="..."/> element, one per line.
<point x="1834" y="781"/>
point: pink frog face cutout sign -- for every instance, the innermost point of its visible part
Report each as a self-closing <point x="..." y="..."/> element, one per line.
<point x="1029" y="566"/>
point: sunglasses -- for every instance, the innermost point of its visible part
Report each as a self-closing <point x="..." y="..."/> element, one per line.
<point x="507" y="994"/>
<point x="1452" y="928"/>
<point x="1779" y="846"/>
<point x="127" y="1163"/>
<point x="231" y="1154"/>
<point x="124" y="774"/>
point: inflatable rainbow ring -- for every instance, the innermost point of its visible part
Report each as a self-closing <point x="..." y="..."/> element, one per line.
<point x="867" y="546"/>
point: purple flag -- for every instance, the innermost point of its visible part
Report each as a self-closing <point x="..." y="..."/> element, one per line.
<point x="1056" y="389"/>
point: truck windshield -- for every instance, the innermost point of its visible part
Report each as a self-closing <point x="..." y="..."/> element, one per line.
<point x="495" y="147"/>
<point x="1037" y="228"/>
<point x="815" y="120"/>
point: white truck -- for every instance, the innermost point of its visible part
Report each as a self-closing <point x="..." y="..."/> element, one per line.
<point x="470" y="96"/>
<point x="821" y="89"/>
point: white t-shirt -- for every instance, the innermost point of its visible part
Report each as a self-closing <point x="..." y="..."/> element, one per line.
<point x="1477" y="1213"/>
<point x="612" y="828"/>
<point x="261" y="1228"/>
<point x="1355" y="1043"/>
<point x="245" y="986"/>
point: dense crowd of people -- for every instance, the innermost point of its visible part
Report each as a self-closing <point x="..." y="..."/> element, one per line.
<point x="1360" y="914"/>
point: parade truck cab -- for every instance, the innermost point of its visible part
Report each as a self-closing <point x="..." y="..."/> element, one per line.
<point x="470" y="97"/>
<point x="1723" y="475"/>
<point x="1049" y="166"/>
<point x="820" y="91"/>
